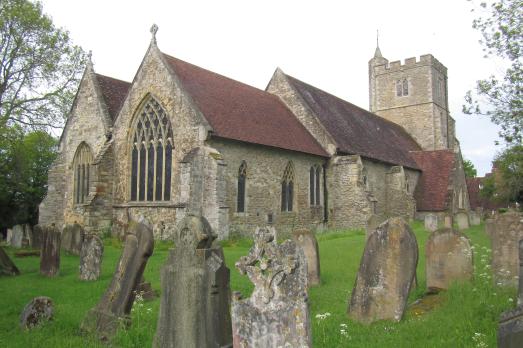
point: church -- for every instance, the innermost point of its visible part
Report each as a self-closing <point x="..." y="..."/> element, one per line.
<point x="180" y="139"/>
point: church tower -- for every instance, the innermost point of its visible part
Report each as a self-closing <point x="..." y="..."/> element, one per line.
<point x="413" y="95"/>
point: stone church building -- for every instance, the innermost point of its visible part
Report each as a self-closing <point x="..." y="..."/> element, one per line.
<point x="180" y="139"/>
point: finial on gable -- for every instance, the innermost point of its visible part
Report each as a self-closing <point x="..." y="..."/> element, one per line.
<point x="154" y="30"/>
<point x="90" y="59"/>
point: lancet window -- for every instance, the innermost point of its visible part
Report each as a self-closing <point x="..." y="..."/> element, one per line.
<point x="314" y="185"/>
<point x="287" y="188"/>
<point x="82" y="166"/>
<point x="402" y="87"/>
<point x="242" y="178"/>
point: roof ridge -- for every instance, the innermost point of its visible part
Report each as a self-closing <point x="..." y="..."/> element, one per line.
<point x="112" y="78"/>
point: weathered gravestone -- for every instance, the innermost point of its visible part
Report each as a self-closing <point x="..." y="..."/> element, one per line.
<point x="306" y="240"/>
<point x="117" y="302"/>
<point x="91" y="257"/>
<point x="447" y="221"/>
<point x="372" y="224"/>
<point x="505" y="231"/>
<point x="9" y="236"/>
<point x="462" y="219"/>
<point x="431" y="222"/>
<point x="39" y="310"/>
<point x="72" y="238"/>
<point x="7" y="267"/>
<point x="145" y="290"/>
<point x="386" y="273"/>
<point x="510" y="332"/>
<point x="475" y="218"/>
<point x="277" y="313"/>
<point x="50" y="251"/>
<point x="17" y="236"/>
<point x="36" y="239"/>
<point x="448" y="259"/>
<point x="195" y="301"/>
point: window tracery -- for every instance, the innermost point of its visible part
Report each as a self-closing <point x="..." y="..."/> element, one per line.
<point x="287" y="187"/>
<point x="82" y="167"/>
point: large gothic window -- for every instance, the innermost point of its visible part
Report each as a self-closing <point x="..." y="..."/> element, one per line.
<point x="287" y="188"/>
<point x="151" y="154"/>
<point x="81" y="166"/>
<point x="242" y="177"/>
<point x="314" y="185"/>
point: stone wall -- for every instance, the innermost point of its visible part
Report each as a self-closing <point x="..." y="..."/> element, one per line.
<point x="51" y="210"/>
<point x="400" y="190"/>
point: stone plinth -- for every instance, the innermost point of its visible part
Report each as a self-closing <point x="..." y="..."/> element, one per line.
<point x="306" y="240"/>
<point x="50" y="251"/>
<point x="431" y="222"/>
<point x="91" y="257"/>
<point x="505" y="231"/>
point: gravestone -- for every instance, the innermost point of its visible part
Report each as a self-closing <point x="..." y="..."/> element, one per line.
<point x="145" y="290"/>
<point x="36" y="240"/>
<point x="117" y="301"/>
<point x="448" y="259"/>
<point x="306" y="240"/>
<point x="490" y="226"/>
<point x="9" y="236"/>
<point x="447" y="221"/>
<point x="36" y="312"/>
<point x="372" y="224"/>
<point x="505" y="232"/>
<point x="462" y="219"/>
<point x="386" y="273"/>
<point x="431" y="222"/>
<point x="277" y="313"/>
<point x="7" y="267"/>
<point x="17" y="236"/>
<point x="72" y="238"/>
<point x="475" y="219"/>
<point x="195" y="300"/>
<point x="91" y="257"/>
<point x="50" y="251"/>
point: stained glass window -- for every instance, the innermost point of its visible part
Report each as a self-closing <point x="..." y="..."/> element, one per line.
<point x="81" y="168"/>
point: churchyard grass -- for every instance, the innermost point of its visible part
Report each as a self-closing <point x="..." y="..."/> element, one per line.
<point x="464" y="316"/>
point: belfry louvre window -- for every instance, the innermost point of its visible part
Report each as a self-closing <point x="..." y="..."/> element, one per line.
<point x="151" y="154"/>
<point x="287" y="188"/>
<point x="314" y="185"/>
<point x="242" y="177"/>
<point x="402" y="88"/>
<point x="81" y="166"/>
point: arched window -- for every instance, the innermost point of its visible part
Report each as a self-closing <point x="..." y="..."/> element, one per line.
<point x="287" y="188"/>
<point x="402" y="87"/>
<point x="151" y="154"/>
<point x="314" y="185"/>
<point x="399" y="89"/>
<point x="405" y="87"/>
<point x="82" y="166"/>
<point x="242" y="177"/>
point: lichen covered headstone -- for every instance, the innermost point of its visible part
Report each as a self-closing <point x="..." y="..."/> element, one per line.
<point x="307" y="241"/>
<point x="72" y="238"/>
<point x="448" y="259"/>
<point x="91" y="257"/>
<point x="36" y="312"/>
<point x="431" y="222"/>
<point x="17" y="236"/>
<point x="462" y="220"/>
<point x="277" y="313"/>
<point x="505" y="231"/>
<point x="475" y="218"/>
<point x="195" y="300"/>
<point x="7" y="267"/>
<point x="117" y="301"/>
<point x="386" y="273"/>
<point x="50" y="251"/>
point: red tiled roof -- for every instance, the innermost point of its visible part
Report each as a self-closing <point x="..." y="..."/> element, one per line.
<point x="356" y="130"/>
<point x="476" y="201"/>
<point x="432" y="191"/>
<point x="114" y="92"/>
<point x="240" y="112"/>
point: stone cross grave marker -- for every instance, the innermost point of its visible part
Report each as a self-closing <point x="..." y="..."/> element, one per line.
<point x="195" y="300"/>
<point x="91" y="257"/>
<point x="448" y="259"/>
<point x="431" y="222"/>
<point x="505" y="231"/>
<point x="306" y="240"/>
<point x="462" y="220"/>
<point x="72" y="238"/>
<point x="7" y="267"/>
<point x="117" y="301"/>
<point x="277" y="313"/>
<point x="386" y="273"/>
<point x="50" y="251"/>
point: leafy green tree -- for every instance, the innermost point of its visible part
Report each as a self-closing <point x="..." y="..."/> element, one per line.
<point x="39" y="67"/>
<point x="470" y="170"/>
<point x="500" y="98"/>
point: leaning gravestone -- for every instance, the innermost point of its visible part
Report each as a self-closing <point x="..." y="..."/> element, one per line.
<point x="50" y="251"/>
<point x="386" y="273"/>
<point x="505" y="231"/>
<point x="91" y="257"/>
<point x="117" y="302"/>
<point x="277" y="313"/>
<point x="448" y="259"/>
<point x="462" y="220"/>
<point x="39" y="310"/>
<point x="431" y="222"/>
<point x="17" y="236"/>
<point x="195" y="301"/>
<point x="7" y="267"/>
<point x="72" y="238"/>
<point x="306" y="240"/>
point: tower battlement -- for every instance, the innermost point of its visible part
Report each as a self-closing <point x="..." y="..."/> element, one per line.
<point x="409" y="63"/>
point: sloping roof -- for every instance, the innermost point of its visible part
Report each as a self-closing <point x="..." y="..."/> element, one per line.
<point x="356" y="130"/>
<point x="241" y="112"/>
<point x="432" y="191"/>
<point x="114" y="92"/>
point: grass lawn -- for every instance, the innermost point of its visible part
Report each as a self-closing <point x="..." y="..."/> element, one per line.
<point x="464" y="316"/>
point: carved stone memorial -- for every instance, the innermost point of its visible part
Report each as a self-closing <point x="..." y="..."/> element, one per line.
<point x="195" y="300"/>
<point x="118" y="299"/>
<point x="462" y="219"/>
<point x="277" y="313"/>
<point x="448" y="259"/>
<point x="505" y="231"/>
<point x="72" y="238"/>
<point x="307" y="241"/>
<point x="50" y="251"/>
<point x="7" y="267"/>
<point x="431" y="222"/>
<point x="386" y="273"/>
<point x="91" y="257"/>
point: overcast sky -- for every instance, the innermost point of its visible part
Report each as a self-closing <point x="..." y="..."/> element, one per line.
<point x="325" y="43"/>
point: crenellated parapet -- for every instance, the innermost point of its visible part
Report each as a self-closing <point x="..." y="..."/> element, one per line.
<point x="409" y="63"/>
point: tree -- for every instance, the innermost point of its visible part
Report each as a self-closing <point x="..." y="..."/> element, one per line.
<point x="502" y="32"/>
<point x="469" y="169"/>
<point x="39" y="67"/>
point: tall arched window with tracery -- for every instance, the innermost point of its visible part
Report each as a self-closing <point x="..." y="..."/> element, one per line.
<point x="287" y="188"/>
<point x="82" y="166"/>
<point x="314" y="185"/>
<point x="151" y="153"/>
<point x="242" y="178"/>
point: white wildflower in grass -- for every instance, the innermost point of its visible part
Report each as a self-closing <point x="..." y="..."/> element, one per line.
<point x="322" y="316"/>
<point x="510" y="300"/>
<point x="478" y="339"/>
